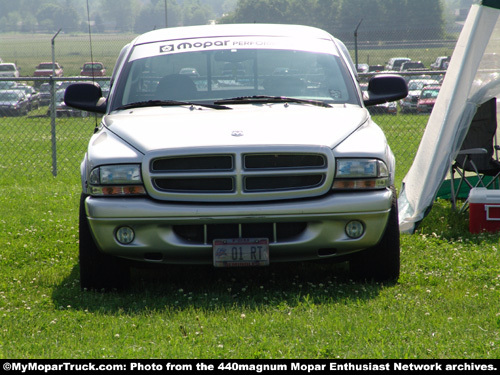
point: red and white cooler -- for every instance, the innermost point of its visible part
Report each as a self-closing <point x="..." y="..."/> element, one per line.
<point x="484" y="210"/>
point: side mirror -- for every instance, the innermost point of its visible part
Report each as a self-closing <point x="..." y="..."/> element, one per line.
<point x="384" y="88"/>
<point x="86" y="96"/>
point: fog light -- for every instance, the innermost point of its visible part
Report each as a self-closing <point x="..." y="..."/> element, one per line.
<point x="125" y="235"/>
<point x="354" y="229"/>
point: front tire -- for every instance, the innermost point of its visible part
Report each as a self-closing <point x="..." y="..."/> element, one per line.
<point x="98" y="271"/>
<point x="382" y="261"/>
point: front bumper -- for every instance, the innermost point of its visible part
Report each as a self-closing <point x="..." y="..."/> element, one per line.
<point x="161" y="228"/>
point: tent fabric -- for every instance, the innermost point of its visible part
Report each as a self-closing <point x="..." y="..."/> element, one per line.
<point x="472" y="78"/>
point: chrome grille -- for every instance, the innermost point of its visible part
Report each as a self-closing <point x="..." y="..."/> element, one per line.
<point x="243" y="174"/>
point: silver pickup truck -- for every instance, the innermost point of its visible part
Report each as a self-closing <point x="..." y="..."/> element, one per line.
<point x="236" y="146"/>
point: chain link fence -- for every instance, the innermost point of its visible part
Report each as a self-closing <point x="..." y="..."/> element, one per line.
<point x="41" y="137"/>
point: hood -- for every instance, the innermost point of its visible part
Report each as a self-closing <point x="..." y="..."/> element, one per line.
<point x="154" y="128"/>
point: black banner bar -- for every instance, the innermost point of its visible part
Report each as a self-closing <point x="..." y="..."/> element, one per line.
<point x="235" y="366"/>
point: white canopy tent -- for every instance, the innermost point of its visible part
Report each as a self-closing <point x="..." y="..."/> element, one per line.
<point x="472" y="78"/>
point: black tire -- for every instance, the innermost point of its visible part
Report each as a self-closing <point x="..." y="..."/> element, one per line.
<point x="98" y="271"/>
<point x="381" y="262"/>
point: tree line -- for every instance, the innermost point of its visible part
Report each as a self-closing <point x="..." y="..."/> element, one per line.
<point x="375" y="19"/>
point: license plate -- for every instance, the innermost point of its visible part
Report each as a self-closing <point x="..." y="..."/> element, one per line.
<point x="241" y="252"/>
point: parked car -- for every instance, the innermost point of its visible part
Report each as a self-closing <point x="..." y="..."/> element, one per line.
<point x="62" y="110"/>
<point x="45" y="69"/>
<point x="375" y="68"/>
<point x="13" y="103"/>
<point x="441" y="63"/>
<point x="32" y="95"/>
<point x="44" y="92"/>
<point x="363" y="68"/>
<point x="105" y="87"/>
<point x="412" y="65"/>
<point x="237" y="175"/>
<point x="395" y="63"/>
<point x="427" y="99"/>
<point x="93" y="69"/>
<point x="9" y="70"/>
<point x="388" y="108"/>
<point x="415" y="86"/>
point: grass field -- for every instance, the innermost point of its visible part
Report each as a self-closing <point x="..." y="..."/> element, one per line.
<point x="445" y="305"/>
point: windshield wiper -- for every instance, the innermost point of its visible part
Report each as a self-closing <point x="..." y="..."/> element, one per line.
<point x="164" y="103"/>
<point x="271" y="99"/>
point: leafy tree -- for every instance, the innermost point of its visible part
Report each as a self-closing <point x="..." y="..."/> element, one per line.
<point x="259" y="11"/>
<point x="152" y="16"/>
<point x="120" y="13"/>
<point x="381" y="19"/>
<point x="194" y="13"/>
<point x="46" y="16"/>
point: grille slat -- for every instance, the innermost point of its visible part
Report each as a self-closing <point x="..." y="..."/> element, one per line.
<point x="193" y="163"/>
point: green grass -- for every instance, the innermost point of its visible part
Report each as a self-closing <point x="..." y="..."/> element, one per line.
<point x="445" y="305"/>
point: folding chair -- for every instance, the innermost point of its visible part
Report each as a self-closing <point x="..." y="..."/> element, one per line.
<point x="478" y="155"/>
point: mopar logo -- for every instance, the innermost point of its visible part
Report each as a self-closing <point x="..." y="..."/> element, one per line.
<point x="168" y="48"/>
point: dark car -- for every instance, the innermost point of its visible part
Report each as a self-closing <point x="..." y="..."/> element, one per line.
<point x="44" y="93"/>
<point x="13" y="103"/>
<point x="412" y="65"/>
<point x="93" y="69"/>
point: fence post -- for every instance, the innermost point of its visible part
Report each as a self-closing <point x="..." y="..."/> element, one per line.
<point x="53" y="109"/>
<point x="53" y="125"/>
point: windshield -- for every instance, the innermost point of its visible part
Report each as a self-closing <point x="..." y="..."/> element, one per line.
<point x="7" y="68"/>
<point x="430" y="94"/>
<point x="10" y="96"/>
<point x="212" y="75"/>
<point x="47" y="66"/>
<point x="92" y="66"/>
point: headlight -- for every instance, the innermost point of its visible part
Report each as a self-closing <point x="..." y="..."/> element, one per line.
<point x="116" y="180"/>
<point x="361" y="174"/>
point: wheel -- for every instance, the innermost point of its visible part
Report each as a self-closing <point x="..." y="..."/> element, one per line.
<point x="382" y="261"/>
<point x="98" y="271"/>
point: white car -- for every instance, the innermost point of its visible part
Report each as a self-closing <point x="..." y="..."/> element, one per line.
<point x="236" y="172"/>
<point x="9" y="70"/>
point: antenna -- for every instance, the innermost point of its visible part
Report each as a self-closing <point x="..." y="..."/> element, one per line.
<point x="91" y="59"/>
<point x="90" y="40"/>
